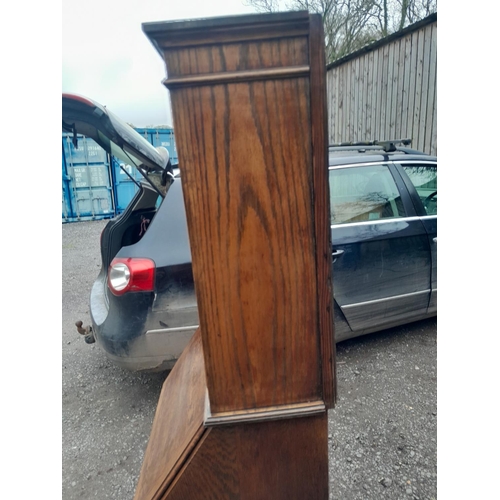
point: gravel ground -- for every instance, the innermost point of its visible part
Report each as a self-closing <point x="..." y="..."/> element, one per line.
<point x="382" y="433"/>
<point x="382" y="441"/>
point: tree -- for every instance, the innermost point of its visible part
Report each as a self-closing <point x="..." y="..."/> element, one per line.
<point x="352" y="24"/>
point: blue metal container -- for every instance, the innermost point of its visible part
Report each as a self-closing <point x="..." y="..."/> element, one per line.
<point x="161" y="137"/>
<point x="124" y="175"/>
<point x="125" y="179"/>
<point x="87" y="188"/>
<point x="96" y="185"/>
<point x="67" y="210"/>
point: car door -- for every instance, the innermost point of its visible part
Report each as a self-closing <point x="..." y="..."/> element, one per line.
<point x="382" y="262"/>
<point x="421" y="180"/>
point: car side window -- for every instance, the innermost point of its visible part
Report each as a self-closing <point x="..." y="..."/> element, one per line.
<point x="364" y="193"/>
<point x="424" y="178"/>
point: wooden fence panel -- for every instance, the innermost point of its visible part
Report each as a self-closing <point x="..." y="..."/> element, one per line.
<point x="430" y="128"/>
<point x="406" y="89"/>
<point x="387" y="90"/>
<point x="373" y="130"/>
<point x="398" y="81"/>
<point x="418" y="91"/>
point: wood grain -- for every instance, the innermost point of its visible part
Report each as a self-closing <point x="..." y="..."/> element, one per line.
<point x="285" y="460"/>
<point x="248" y="100"/>
<point x="178" y="422"/>
<point x="324" y="284"/>
<point x="236" y="57"/>
<point x="254" y="239"/>
<point x="252" y="147"/>
<point x="399" y="96"/>
<point x="238" y="76"/>
<point x="226" y="30"/>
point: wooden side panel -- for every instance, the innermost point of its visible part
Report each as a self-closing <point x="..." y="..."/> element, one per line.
<point x="286" y="460"/>
<point x="178" y="422"/>
<point x="247" y="128"/>
<point x="254" y="238"/>
<point x="250" y="118"/>
<point x="245" y="56"/>
<point x="324" y="285"/>
<point x="291" y="458"/>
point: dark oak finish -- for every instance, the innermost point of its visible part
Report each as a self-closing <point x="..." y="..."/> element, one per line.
<point x="319" y="132"/>
<point x="225" y="30"/>
<point x="289" y="457"/>
<point x="259" y="252"/>
<point x="178" y="422"/>
<point x="256" y="203"/>
<point x="186" y="460"/>
<point x="243" y="414"/>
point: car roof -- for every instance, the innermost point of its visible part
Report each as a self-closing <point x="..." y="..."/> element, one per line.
<point x="374" y="152"/>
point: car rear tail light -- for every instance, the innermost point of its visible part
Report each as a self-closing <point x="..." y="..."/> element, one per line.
<point x="131" y="275"/>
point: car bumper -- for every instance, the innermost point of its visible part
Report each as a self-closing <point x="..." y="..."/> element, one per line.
<point x="133" y="340"/>
<point x="143" y="350"/>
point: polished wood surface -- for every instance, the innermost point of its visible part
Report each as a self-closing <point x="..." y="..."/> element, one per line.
<point x="319" y="136"/>
<point x="185" y="459"/>
<point x="259" y="253"/>
<point x="178" y="422"/>
<point x="243" y="415"/>
<point x="255" y="185"/>
<point x="285" y="460"/>
<point x="171" y="37"/>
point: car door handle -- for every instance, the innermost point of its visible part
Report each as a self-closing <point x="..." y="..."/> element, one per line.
<point x="435" y="240"/>
<point x="336" y="254"/>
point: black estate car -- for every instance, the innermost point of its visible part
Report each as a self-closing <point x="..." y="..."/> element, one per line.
<point x="383" y="233"/>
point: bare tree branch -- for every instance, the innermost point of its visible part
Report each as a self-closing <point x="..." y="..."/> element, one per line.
<point x="351" y="24"/>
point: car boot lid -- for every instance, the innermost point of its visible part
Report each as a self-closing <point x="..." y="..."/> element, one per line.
<point x="81" y="115"/>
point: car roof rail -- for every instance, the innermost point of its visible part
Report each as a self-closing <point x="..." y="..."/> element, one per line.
<point x="388" y="146"/>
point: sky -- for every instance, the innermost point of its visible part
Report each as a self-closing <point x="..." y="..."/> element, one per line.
<point x="107" y="57"/>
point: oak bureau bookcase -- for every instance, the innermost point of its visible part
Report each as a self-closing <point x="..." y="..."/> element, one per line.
<point x="243" y="414"/>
